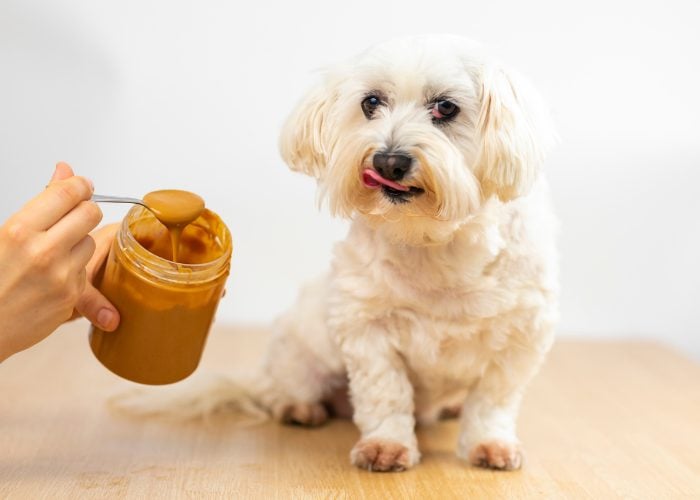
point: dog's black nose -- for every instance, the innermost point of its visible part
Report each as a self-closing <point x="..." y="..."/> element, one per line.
<point x="392" y="166"/>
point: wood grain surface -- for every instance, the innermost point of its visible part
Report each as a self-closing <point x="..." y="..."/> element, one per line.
<point x="602" y="420"/>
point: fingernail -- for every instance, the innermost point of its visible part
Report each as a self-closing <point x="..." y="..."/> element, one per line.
<point x="91" y="185"/>
<point x="53" y="176"/>
<point x="105" y="318"/>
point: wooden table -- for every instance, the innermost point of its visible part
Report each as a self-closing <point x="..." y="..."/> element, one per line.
<point x="602" y="420"/>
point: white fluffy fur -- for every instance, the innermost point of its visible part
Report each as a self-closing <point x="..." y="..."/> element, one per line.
<point x="448" y="300"/>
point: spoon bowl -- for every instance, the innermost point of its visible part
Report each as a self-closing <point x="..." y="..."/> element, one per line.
<point x="174" y="208"/>
<point x="170" y="206"/>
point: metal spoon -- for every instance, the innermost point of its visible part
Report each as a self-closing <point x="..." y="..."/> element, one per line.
<point x="172" y="207"/>
<point x="100" y="198"/>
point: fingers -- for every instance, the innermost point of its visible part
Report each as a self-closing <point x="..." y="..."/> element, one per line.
<point x="97" y="309"/>
<point x="73" y="227"/>
<point x="59" y="198"/>
<point x="103" y="238"/>
<point x="82" y="280"/>
<point x="92" y="304"/>
<point x="82" y="252"/>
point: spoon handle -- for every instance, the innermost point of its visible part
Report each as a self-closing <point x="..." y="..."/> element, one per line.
<point x="115" y="199"/>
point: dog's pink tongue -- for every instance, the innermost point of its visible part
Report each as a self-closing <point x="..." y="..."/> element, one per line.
<point x="372" y="179"/>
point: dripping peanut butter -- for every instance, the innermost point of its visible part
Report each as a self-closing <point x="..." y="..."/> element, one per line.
<point x="175" y="209"/>
<point x="166" y="291"/>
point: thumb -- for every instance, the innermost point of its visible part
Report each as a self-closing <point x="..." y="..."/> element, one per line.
<point x="97" y="309"/>
<point x="62" y="171"/>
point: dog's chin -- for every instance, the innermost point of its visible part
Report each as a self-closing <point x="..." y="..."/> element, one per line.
<point x="411" y="230"/>
<point x="412" y="211"/>
<point x="404" y="217"/>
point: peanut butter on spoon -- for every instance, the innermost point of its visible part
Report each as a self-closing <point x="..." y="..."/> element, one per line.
<point x="175" y="209"/>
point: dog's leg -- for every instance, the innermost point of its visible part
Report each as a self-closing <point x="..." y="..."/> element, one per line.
<point x="292" y="383"/>
<point x="302" y="365"/>
<point x="382" y="397"/>
<point x="487" y="430"/>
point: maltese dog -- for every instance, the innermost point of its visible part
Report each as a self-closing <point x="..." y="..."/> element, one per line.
<point x="442" y="299"/>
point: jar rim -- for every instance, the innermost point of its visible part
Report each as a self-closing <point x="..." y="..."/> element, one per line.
<point x="168" y="270"/>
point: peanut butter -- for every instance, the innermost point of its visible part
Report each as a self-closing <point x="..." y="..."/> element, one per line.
<point x="166" y="307"/>
<point x="175" y="209"/>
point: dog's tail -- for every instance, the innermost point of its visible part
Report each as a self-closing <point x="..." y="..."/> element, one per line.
<point x="198" y="397"/>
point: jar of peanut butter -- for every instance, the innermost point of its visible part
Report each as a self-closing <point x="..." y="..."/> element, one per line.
<point x="166" y="307"/>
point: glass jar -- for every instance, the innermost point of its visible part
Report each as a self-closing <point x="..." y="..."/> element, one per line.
<point x="166" y="308"/>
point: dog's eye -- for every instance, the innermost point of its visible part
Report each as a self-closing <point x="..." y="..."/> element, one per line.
<point x="443" y="110"/>
<point x="369" y="105"/>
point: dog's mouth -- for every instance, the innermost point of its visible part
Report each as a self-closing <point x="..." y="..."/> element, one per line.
<point x="395" y="192"/>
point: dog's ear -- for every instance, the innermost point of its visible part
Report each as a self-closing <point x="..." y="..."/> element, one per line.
<point x="303" y="142"/>
<point x="514" y="134"/>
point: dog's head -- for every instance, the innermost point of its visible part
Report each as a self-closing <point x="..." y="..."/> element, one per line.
<point x="415" y="134"/>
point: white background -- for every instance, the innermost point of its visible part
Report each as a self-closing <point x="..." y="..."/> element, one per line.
<point x="142" y="95"/>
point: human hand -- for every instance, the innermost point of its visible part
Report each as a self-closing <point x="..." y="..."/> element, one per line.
<point x="92" y="304"/>
<point x="44" y="250"/>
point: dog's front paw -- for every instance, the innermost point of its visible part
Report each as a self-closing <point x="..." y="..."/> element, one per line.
<point x="305" y="414"/>
<point x="383" y="455"/>
<point x="499" y="455"/>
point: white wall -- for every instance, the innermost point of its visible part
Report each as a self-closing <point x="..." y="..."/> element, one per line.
<point x="144" y="94"/>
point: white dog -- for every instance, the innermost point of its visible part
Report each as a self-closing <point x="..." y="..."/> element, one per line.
<point x="444" y="294"/>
